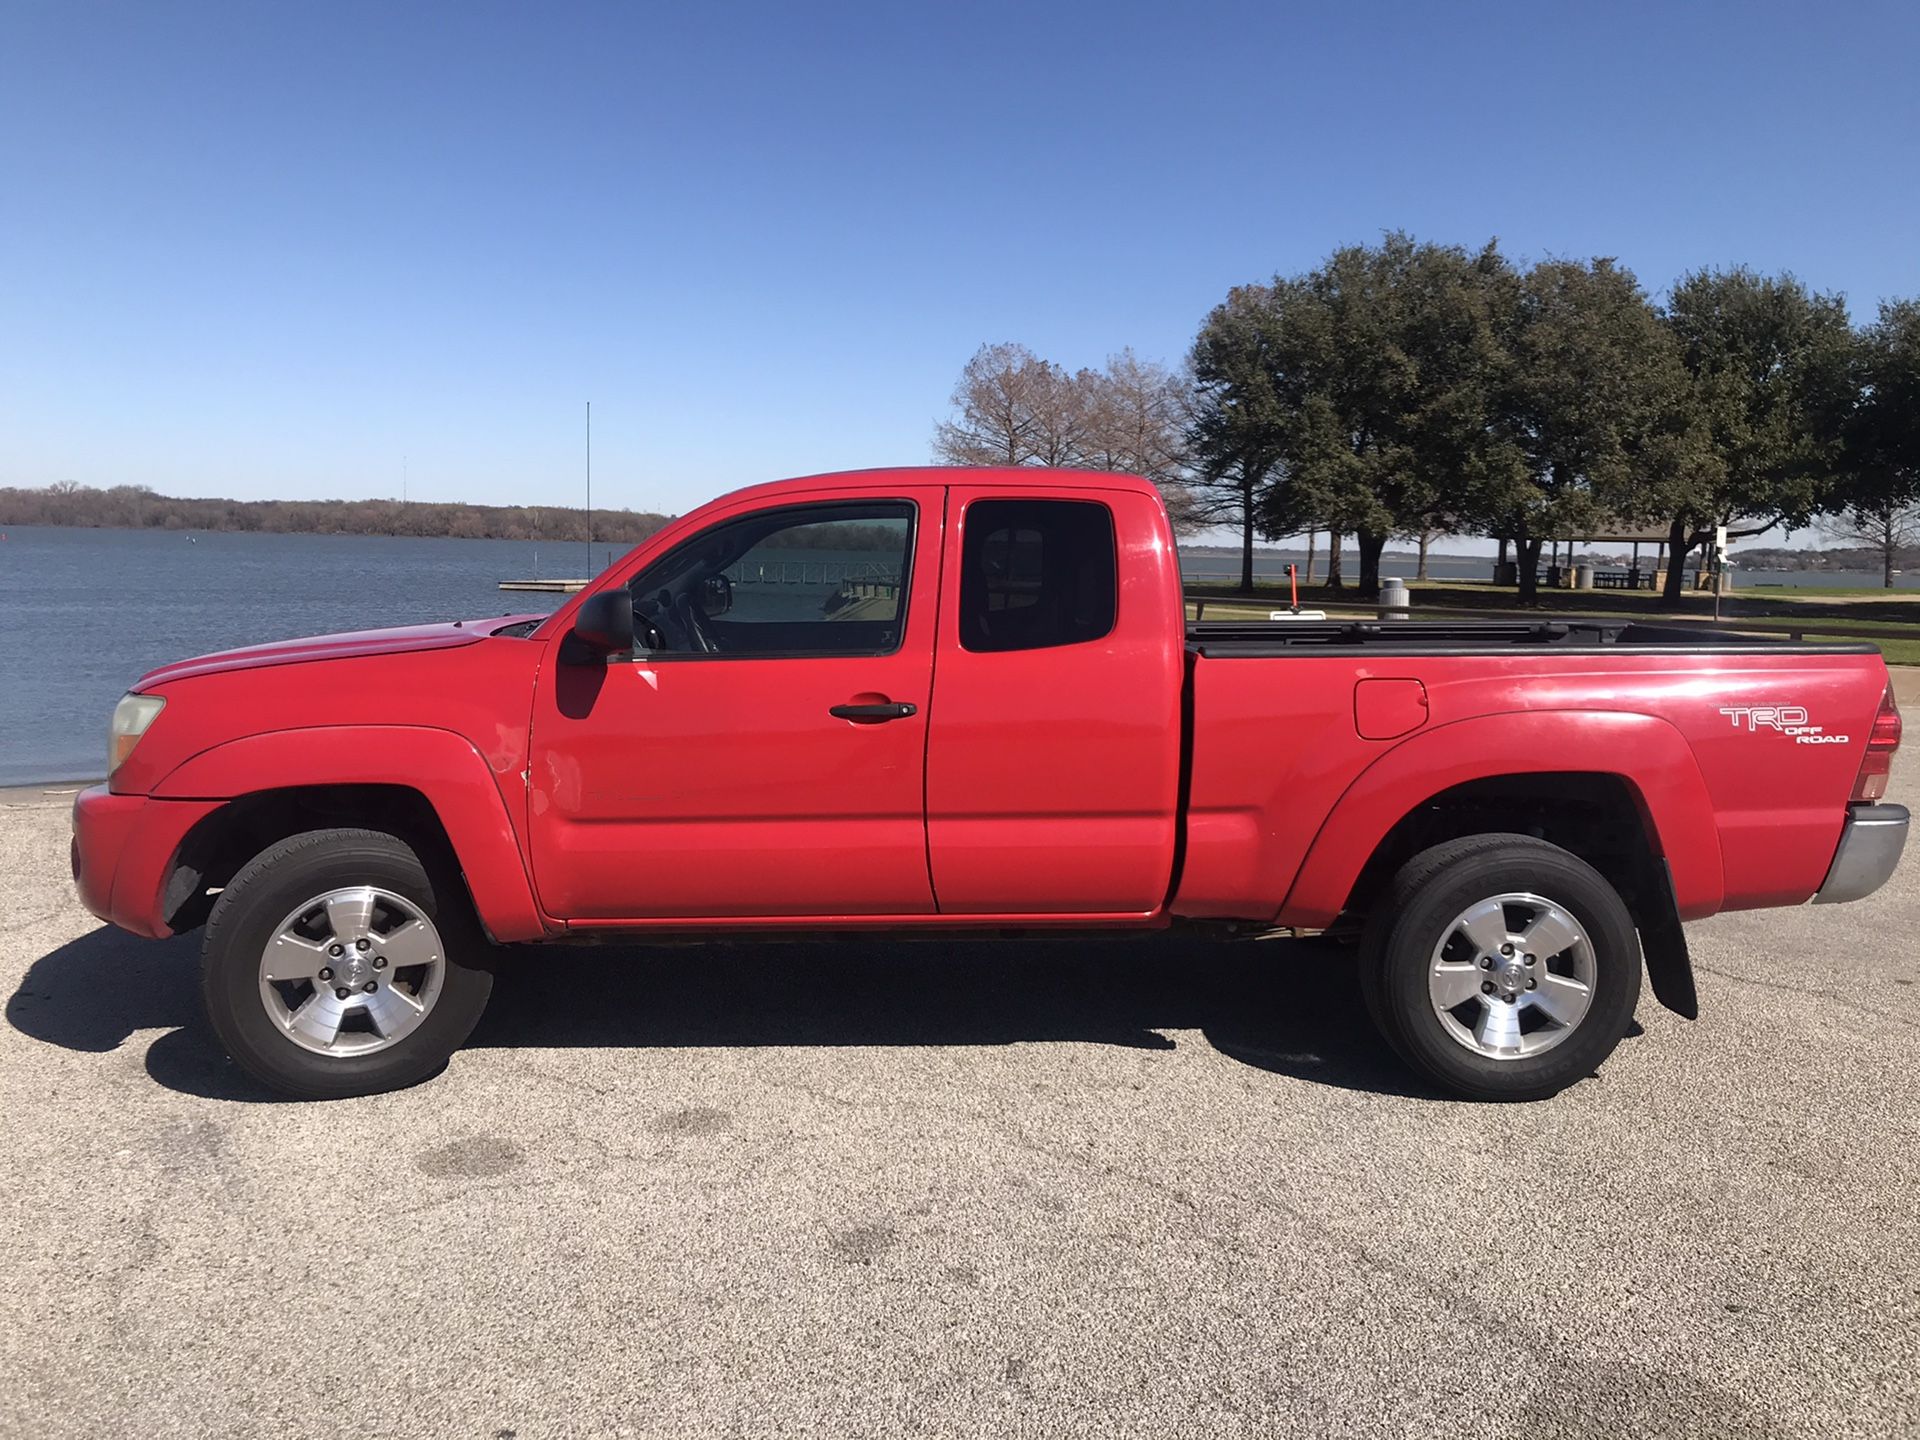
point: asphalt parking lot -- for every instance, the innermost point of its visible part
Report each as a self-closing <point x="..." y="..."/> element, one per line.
<point x="954" y="1189"/>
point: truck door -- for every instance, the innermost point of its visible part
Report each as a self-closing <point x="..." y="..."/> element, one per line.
<point x="762" y="752"/>
<point x="1053" y="757"/>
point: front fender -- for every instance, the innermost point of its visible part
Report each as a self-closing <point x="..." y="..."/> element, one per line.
<point x="1648" y="753"/>
<point x="439" y="764"/>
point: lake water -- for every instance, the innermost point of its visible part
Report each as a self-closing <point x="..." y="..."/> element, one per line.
<point x="84" y="613"/>
<point x="87" y="612"/>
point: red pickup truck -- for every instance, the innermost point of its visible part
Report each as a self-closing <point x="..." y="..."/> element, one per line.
<point x="903" y="700"/>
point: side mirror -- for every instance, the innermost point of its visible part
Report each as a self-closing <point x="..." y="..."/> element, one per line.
<point x="716" y="595"/>
<point x="602" y="626"/>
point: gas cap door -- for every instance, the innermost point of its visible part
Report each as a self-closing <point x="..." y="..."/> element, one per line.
<point x="1386" y="709"/>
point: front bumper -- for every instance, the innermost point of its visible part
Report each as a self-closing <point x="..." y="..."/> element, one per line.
<point x="123" y="849"/>
<point x="1870" y="846"/>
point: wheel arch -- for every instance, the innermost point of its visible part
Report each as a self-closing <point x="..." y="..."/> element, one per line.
<point x="429" y="787"/>
<point x="1593" y="814"/>
<point x="1631" y="790"/>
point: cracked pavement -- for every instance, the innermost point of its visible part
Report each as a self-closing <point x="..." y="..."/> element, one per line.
<point x="1089" y="1188"/>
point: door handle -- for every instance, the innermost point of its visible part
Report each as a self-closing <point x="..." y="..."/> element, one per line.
<point x="873" y="714"/>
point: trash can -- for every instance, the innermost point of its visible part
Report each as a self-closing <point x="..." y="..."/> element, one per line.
<point x="1394" y="599"/>
<point x="1506" y="572"/>
<point x="1583" y="576"/>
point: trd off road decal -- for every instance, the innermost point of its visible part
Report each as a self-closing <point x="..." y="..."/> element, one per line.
<point x="1784" y="719"/>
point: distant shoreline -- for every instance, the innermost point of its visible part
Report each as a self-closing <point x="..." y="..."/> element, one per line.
<point x="132" y="507"/>
<point x="1269" y="560"/>
<point x="128" y="507"/>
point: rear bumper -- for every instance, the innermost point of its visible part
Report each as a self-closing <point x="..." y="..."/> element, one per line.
<point x="123" y="848"/>
<point x="1870" y="846"/>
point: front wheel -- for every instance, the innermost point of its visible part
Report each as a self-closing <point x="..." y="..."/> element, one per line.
<point x="1501" y="967"/>
<point x="334" y="966"/>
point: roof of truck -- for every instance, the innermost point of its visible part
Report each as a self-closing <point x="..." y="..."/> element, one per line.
<point x="1025" y="477"/>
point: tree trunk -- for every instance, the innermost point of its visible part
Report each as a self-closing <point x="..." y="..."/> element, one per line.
<point x="1246" y="537"/>
<point x="1527" y="553"/>
<point x="1312" y="535"/>
<point x="1887" y="541"/>
<point x="1500" y="555"/>
<point x="1334" y="579"/>
<point x="1679" y="541"/>
<point x="1426" y="539"/>
<point x="1370" y="548"/>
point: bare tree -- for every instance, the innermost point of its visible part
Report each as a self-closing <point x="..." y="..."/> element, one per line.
<point x="1062" y="416"/>
<point x="1003" y="403"/>
<point x="1889" y="527"/>
<point x="1014" y="408"/>
<point x="1434" y="529"/>
<point x="1135" y="418"/>
<point x="1137" y="423"/>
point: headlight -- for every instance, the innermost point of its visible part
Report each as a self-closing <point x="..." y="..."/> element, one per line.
<point x="131" y="717"/>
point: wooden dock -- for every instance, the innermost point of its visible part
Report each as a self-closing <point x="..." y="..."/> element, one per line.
<point x="552" y="587"/>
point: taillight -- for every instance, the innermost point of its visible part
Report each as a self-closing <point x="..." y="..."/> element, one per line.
<point x="1877" y="764"/>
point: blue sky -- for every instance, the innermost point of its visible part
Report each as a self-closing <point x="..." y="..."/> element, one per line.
<point x="280" y="250"/>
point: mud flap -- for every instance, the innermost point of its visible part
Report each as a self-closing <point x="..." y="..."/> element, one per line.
<point x="1664" y="941"/>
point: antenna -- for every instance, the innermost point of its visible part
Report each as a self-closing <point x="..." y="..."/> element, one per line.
<point x="589" y="489"/>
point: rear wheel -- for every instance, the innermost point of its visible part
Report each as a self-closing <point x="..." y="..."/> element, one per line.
<point x="1501" y="967"/>
<point x="334" y="966"/>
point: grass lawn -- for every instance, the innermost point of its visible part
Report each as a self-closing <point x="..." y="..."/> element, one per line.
<point x="1900" y="652"/>
<point x="1902" y="605"/>
<point x="1814" y="592"/>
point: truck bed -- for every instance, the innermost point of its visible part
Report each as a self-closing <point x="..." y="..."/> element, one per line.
<point x="1269" y="639"/>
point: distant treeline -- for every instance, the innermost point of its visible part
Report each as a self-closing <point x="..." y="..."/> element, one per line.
<point x="1866" y="559"/>
<point x="136" y="507"/>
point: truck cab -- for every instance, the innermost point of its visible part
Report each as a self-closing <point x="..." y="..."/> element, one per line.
<point x="874" y="698"/>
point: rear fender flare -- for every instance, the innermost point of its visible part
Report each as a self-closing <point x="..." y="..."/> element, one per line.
<point x="1646" y="752"/>
<point x="439" y="764"/>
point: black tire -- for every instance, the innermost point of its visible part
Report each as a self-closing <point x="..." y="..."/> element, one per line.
<point x="245" y="918"/>
<point x="1411" y="919"/>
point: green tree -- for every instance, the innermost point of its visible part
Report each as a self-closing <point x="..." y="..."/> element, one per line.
<point x="1337" y="346"/>
<point x="1877" y="500"/>
<point x="1769" y="364"/>
<point x="1592" y="420"/>
<point x="1397" y="355"/>
<point x="1355" y="397"/>
<point x="1235" y="433"/>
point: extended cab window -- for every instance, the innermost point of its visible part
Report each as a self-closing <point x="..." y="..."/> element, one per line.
<point x="802" y="580"/>
<point x="1036" y="573"/>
